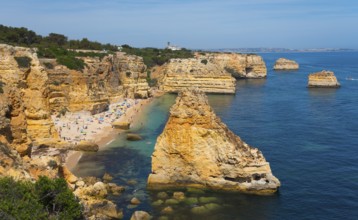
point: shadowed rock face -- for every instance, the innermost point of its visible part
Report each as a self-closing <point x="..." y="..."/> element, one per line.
<point x="323" y="79"/>
<point x="285" y="64"/>
<point x="197" y="149"/>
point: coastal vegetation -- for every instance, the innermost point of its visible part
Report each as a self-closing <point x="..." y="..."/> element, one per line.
<point x="67" y="52"/>
<point x="154" y="56"/>
<point x="44" y="199"/>
<point x="55" y="46"/>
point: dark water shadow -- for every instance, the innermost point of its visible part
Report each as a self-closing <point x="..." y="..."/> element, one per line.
<point x="322" y="92"/>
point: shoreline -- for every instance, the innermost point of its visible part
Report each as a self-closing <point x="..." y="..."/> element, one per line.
<point x="104" y="134"/>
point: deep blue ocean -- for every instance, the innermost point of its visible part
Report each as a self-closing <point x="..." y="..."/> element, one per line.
<point x="309" y="136"/>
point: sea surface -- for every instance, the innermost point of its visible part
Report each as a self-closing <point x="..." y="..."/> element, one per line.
<point x="309" y="136"/>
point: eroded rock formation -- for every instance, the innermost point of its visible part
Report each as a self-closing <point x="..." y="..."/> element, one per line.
<point x="238" y="65"/>
<point x="285" y="64"/>
<point x="197" y="149"/>
<point x="180" y="74"/>
<point x="323" y="79"/>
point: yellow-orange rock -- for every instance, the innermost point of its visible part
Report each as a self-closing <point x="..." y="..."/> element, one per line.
<point x="238" y="65"/>
<point x="180" y="74"/>
<point x="323" y="79"/>
<point x="197" y="149"/>
<point x="285" y="64"/>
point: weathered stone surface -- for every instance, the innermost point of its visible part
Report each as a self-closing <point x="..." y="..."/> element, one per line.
<point x="133" y="137"/>
<point x="285" y="64"/>
<point x="121" y="125"/>
<point x="180" y="74"/>
<point x="323" y="79"/>
<point x="86" y="146"/>
<point x="238" y="65"/>
<point x="133" y="75"/>
<point x="140" y="215"/>
<point x="197" y="149"/>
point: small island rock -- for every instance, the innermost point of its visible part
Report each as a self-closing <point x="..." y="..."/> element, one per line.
<point x="323" y="79"/>
<point x="285" y="64"/>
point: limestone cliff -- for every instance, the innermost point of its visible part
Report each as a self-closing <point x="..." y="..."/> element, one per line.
<point x="179" y="74"/>
<point x="197" y="149"/>
<point x="101" y="82"/>
<point x="239" y="65"/>
<point x="25" y="93"/>
<point x="285" y="64"/>
<point x="132" y="71"/>
<point x="323" y="79"/>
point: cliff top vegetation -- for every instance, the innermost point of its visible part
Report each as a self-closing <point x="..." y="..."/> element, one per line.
<point x="155" y="56"/>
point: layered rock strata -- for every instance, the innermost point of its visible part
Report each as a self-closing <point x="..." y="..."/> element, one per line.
<point x="285" y="64"/>
<point x="101" y="82"/>
<point x="323" y="79"/>
<point x="238" y="65"/>
<point x="180" y="74"/>
<point x="196" y="149"/>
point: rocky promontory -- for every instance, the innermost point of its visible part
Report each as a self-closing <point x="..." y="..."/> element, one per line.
<point x="180" y="74"/>
<point x="196" y="149"/>
<point x="323" y="79"/>
<point x="285" y="64"/>
<point x="238" y="65"/>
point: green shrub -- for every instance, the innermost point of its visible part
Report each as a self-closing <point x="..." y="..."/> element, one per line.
<point x="23" y="62"/>
<point x="57" y="198"/>
<point x="71" y="62"/>
<point x="45" y="199"/>
<point x="205" y="61"/>
<point x="155" y="56"/>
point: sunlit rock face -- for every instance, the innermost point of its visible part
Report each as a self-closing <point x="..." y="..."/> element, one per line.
<point x="285" y="64"/>
<point x="197" y="149"/>
<point x="180" y="74"/>
<point x="238" y="65"/>
<point x="323" y="79"/>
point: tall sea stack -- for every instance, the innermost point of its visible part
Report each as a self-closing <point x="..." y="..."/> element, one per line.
<point x="196" y="149"/>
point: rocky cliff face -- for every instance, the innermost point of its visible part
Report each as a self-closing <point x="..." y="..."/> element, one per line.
<point x="101" y="82"/>
<point x="323" y="79"/>
<point x="197" y="149"/>
<point x="133" y="75"/>
<point x="179" y="74"/>
<point x="239" y="65"/>
<point x="285" y="64"/>
<point x="25" y="94"/>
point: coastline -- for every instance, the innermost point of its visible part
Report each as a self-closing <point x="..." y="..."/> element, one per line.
<point x="107" y="134"/>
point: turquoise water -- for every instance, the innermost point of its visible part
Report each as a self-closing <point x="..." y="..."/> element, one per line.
<point x="309" y="136"/>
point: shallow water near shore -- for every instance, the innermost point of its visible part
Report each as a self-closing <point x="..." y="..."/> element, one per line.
<point x="309" y="136"/>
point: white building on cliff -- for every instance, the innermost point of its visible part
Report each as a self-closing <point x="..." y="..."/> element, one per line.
<point x="172" y="47"/>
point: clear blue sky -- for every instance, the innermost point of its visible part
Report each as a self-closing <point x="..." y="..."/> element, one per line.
<point x="193" y="23"/>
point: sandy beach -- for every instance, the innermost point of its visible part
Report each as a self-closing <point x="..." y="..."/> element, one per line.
<point x="77" y="126"/>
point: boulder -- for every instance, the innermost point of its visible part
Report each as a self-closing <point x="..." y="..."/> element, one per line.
<point x="140" y="215"/>
<point x="285" y="64"/>
<point x="197" y="149"/>
<point x="68" y="175"/>
<point x="86" y="146"/>
<point x="133" y="137"/>
<point x="121" y="125"/>
<point x="323" y="79"/>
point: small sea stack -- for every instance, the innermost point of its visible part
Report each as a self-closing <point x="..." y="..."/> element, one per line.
<point x="286" y="64"/>
<point x="197" y="150"/>
<point x="323" y="79"/>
